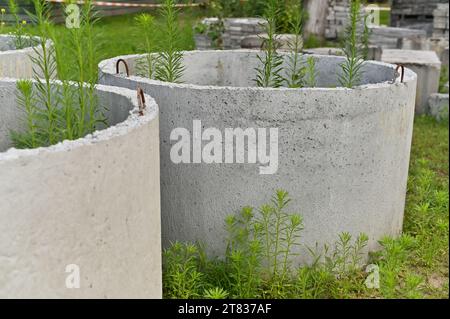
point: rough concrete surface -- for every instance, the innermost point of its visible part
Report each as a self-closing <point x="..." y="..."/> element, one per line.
<point x="235" y="29"/>
<point x="374" y="52"/>
<point x="325" y="51"/>
<point x="444" y="57"/>
<point x="343" y="153"/>
<point x="397" y="38"/>
<point x="438" y="104"/>
<point x="93" y="202"/>
<point x="15" y="63"/>
<point x="284" y="41"/>
<point x="426" y="65"/>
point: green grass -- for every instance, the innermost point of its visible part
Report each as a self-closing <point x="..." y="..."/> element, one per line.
<point x="120" y="35"/>
<point x="385" y="18"/>
<point x="312" y="42"/>
<point x="416" y="265"/>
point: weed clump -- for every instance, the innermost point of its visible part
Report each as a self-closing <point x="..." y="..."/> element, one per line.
<point x="146" y="66"/>
<point x="20" y="39"/>
<point x="275" y="71"/>
<point x="258" y="263"/>
<point x="295" y="65"/>
<point x="55" y="113"/>
<point x="170" y="67"/>
<point x="414" y="265"/>
<point x="355" y="46"/>
<point x="270" y="72"/>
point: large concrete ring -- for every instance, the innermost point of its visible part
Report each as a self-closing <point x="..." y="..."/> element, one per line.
<point x="17" y="63"/>
<point x="343" y="153"/>
<point x="87" y="209"/>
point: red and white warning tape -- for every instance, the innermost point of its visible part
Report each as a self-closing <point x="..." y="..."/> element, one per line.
<point x="129" y="5"/>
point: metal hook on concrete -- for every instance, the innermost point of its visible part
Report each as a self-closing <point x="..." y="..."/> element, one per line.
<point x="141" y="101"/>
<point x="126" y="66"/>
<point x="397" y="74"/>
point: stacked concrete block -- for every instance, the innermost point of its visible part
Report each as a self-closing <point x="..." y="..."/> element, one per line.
<point x="283" y="41"/>
<point x="426" y="65"/>
<point x="203" y="40"/>
<point x="337" y="18"/>
<point x="438" y="106"/>
<point x="325" y="51"/>
<point x="411" y="8"/>
<point x="236" y="29"/>
<point x="373" y="54"/>
<point x="440" y="39"/>
<point x="440" y="21"/>
<point x="416" y="14"/>
<point x="398" y="38"/>
<point x="338" y="11"/>
<point x="253" y="41"/>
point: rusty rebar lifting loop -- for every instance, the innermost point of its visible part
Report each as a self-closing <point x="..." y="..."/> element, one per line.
<point x="397" y="74"/>
<point x="124" y="63"/>
<point x="141" y="101"/>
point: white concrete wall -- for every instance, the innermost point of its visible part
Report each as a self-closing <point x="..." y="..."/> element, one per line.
<point x="93" y="202"/>
<point x="15" y="63"/>
<point x="343" y="153"/>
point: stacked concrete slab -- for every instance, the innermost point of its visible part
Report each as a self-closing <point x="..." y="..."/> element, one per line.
<point x="283" y="41"/>
<point x="440" y="40"/>
<point x="438" y="106"/>
<point x="202" y="40"/>
<point x="414" y="13"/>
<point x="426" y="65"/>
<point x="338" y="12"/>
<point x="373" y="54"/>
<point x="398" y="38"/>
<point x="337" y="18"/>
<point x="440" y="21"/>
<point x="325" y="51"/>
<point x="236" y="29"/>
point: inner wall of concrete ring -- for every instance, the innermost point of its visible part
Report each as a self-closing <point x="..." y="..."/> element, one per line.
<point x="16" y="63"/>
<point x="343" y="153"/>
<point x="93" y="202"/>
